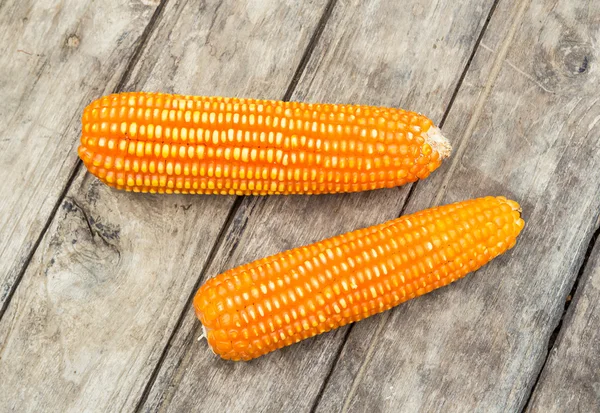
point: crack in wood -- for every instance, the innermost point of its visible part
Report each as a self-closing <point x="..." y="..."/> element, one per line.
<point x="93" y="229"/>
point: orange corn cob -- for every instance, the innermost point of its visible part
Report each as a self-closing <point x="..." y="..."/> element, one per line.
<point x="271" y="303"/>
<point x="147" y="142"/>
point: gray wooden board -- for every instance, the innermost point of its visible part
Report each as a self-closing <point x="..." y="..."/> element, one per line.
<point x="570" y="380"/>
<point x="528" y="122"/>
<point x="97" y="305"/>
<point x="54" y="57"/>
<point x="370" y="52"/>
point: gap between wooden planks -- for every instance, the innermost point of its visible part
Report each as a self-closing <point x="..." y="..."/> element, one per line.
<point x="570" y="377"/>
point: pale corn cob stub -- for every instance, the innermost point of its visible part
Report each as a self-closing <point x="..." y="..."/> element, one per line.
<point x="259" y="307"/>
<point x="161" y="143"/>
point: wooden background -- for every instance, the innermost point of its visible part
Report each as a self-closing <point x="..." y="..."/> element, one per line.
<point x="96" y="285"/>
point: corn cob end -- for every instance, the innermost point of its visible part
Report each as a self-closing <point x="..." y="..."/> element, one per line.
<point x="438" y="142"/>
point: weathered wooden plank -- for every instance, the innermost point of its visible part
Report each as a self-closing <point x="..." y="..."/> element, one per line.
<point x="570" y="380"/>
<point x="54" y="57"/>
<point x="527" y="117"/>
<point x="363" y="56"/>
<point x="96" y="307"/>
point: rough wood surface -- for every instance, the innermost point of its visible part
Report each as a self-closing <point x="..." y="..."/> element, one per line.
<point x="370" y="52"/>
<point x="55" y="56"/>
<point x="570" y="380"/>
<point x="97" y="305"/>
<point x="95" y="323"/>
<point x="528" y="121"/>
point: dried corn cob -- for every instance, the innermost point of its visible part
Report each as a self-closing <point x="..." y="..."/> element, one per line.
<point x="271" y="303"/>
<point x="148" y="142"/>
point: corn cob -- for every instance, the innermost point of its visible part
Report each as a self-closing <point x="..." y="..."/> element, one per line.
<point x="160" y="143"/>
<point x="271" y="303"/>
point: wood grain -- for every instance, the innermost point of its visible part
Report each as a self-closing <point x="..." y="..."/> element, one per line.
<point x="97" y="305"/>
<point x="370" y="52"/>
<point x="528" y="120"/>
<point x="55" y="56"/>
<point x="570" y="380"/>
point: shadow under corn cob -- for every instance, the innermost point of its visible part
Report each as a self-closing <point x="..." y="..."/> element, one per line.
<point x="271" y="303"/>
<point x="162" y="143"/>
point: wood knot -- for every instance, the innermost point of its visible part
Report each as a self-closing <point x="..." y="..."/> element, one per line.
<point x="564" y="66"/>
<point x="576" y="58"/>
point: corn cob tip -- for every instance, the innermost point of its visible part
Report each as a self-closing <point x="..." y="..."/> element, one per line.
<point x="203" y="335"/>
<point x="438" y="142"/>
